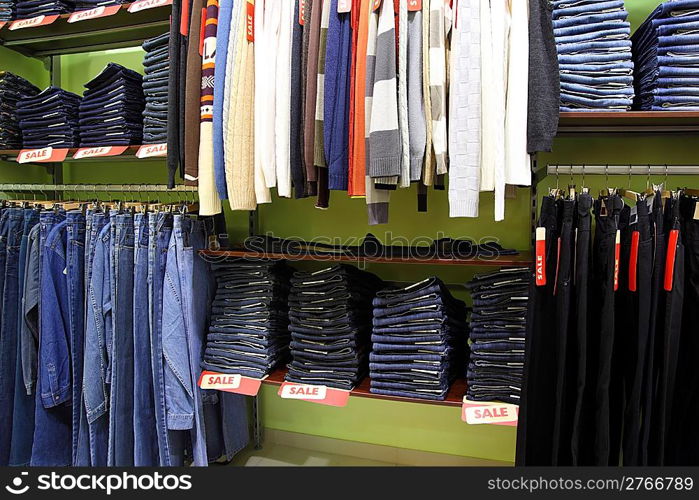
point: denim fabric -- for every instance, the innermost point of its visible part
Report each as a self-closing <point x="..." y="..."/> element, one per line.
<point x="567" y="10"/>
<point x="590" y="19"/>
<point x="30" y="313"/>
<point x="604" y="34"/>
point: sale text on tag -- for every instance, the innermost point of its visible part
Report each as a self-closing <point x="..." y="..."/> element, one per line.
<point x="230" y="382"/>
<point x="314" y="393"/>
<point x="42" y="155"/>
<point x="99" y="151"/>
<point x="151" y="150"/>
<point x="32" y="22"/>
<point x="96" y="13"/>
<point x="147" y="4"/>
<point x="476" y="412"/>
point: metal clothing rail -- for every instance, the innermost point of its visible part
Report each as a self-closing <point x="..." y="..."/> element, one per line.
<point x="562" y="169"/>
<point x="104" y="188"/>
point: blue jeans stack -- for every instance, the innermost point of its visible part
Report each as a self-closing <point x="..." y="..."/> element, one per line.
<point x="666" y="54"/>
<point x="330" y="324"/>
<point x="156" y="65"/>
<point x="32" y="8"/>
<point x="497" y="330"/>
<point x="249" y="331"/>
<point x="7" y="10"/>
<point x="49" y="118"/>
<point x="594" y="55"/>
<point x="112" y="107"/>
<point x="419" y="340"/>
<point x="12" y="89"/>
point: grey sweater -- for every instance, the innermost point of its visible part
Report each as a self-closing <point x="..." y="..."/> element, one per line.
<point x="416" y="112"/>
<point x="544" y="79"/>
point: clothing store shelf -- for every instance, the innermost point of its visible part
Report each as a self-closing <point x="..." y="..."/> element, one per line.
<point x="123" y="29"/>
<point x="629" y="122"/>
<point x="523" y="259"/>
<point x="128" y="155"/>
<point x="455" y="396"/>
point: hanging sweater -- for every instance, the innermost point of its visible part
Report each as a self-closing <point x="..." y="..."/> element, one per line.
<point x="438" y="83"/>
<point x="192" y="106"/>
<point x="313" y="26"/>
<point x="517" y="168"/>
<point x="231" y="71"/>
<point x="337" y="81"/>
<point x="416" y="105"/>
<point x="283" y="109"/>
<point x="500" y="22"/>
<point x="403" y="123"/>
<point x="209" y="202"/>
<point x="384" y="140"/>
<point x="318" y="146"/>
<point x="224" y="28"/>
<point x="357" y="174"/>
<point x="465" y="110"/>
<point x="377" y="200"/>
<point x="429" y="166"/>
<point x="298" y="170"/>
<point x="240" y="166"/>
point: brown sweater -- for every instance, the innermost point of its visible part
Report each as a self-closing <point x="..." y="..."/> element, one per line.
<point x="192" y="107"/>
<point x="309" y="120"/>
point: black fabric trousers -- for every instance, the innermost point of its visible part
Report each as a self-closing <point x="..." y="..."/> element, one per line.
<point x="534" y="436"/>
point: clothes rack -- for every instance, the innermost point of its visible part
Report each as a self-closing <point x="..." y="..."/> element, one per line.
<point x="562" y="169"/>
<point x="128" y="188"/>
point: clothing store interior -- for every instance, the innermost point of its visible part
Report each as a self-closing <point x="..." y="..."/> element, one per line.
<point x="349" y="233"/>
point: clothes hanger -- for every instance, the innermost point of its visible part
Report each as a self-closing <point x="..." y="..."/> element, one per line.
<point x="628" y="193"/>
<point x="648" y="190"/>
<point x="571" y="186"/>
<point x="604" y="192"/>
<point x="584" y="188"/>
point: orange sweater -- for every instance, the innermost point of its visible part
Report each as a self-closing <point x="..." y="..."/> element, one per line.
<point x="357" y="166"/>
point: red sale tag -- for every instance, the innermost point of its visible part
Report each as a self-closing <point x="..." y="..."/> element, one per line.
<point x="617" y="256"/>
<point x="228" y="382"/>
<point x="302" y="12"/>
<point x="151" y="150"/>
<point x="474" y="413"/>
<point x="344" y="6"/>
<point x="2" y="24"/>
<point x="147" y="4"/>
<point x="540" y="256"/>
<point x="99" y="151"/>
<point x="414" y="5"/>
<point x="670" y="259"/>
<point x="633" y="261"/>
<point x="314" y="393"/>
<point x="32" y="22"/>
<point x="43" y="155"/>
<point x="97" y="12"/>
<point x="250" y="21"/>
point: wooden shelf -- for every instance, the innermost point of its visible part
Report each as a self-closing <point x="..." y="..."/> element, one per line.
<point x="128" y="155"/>
<point x="523" y="259"/>
<point x="455" y="396"/>
<point x="651" y="122"/>
<point x="123" y="29"/>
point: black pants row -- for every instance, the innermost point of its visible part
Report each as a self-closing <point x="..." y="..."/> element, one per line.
<point x="610" y="376"/>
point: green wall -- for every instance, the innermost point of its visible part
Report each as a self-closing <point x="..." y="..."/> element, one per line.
<point x="406" y="425"/>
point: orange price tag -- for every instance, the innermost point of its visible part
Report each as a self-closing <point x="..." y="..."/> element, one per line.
<point x="633" y="261"/>
<point x="96" y="13"/>
<point x="99" y="151"/>
<point x="151" y="150"/>
<point x="414" y="5"/>
<point x="540" y="256"/>
<point x="228" y="382"/>
<point x="32" y="22"/>
<point x="314" y="393"/>
<point x="147" y="4"/>
<point x="617" y="256"/>
<point x="476" y="412"/>
<point x="43" y="155"/>
<point x="670" y="259"/>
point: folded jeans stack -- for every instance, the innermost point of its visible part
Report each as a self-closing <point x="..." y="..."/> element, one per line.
<point x="26" y="9"/>
<point x="13" y="88"/>
<point x="330" y="322"/>
<point x="594" y="55"/>
<point x="666" y="54"/>
<point x="497" y="330"/>
<point x="7" y="10"/>
<point x="49" y="118"/>
<point x="419" y="340"/>
<point x="112" y="107"/>
<point x="249" y="332"/>
<point x="156" y="65"/>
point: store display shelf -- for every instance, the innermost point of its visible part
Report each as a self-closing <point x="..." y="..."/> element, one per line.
<point x="523" y="259"/>
<point x="123" y="29"/>
<point x="652" y="122"/>
<point x="455" y="396"/>
<point x="128" y="155"/>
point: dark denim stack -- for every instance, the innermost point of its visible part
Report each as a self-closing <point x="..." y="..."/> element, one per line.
<point x="498" y="323"/>
<point x="32" y="8"/>
<point x="594" y="54"/>
<point x="49" y="118"/>
<point x="12" y="89"/>
<point x="91" y="4"/>
<point x="419" y="340"/>
<point x="7" y="10"/>
<point x="666" y="53"/>
<point x="112" y="107"/>
<point x="156" y="65"/>
<point x="330" y="324"/>
<point x="249" y="332"/>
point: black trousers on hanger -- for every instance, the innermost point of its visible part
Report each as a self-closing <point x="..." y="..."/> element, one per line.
<point x="607" y="210"/>
<point x="583" y="416"/>
<point x="639" y="288"/>
<point x="566" y="369"/>
<point x="534" y="436"/>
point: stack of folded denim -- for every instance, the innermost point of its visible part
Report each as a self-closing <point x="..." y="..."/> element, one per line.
<point x="112" y="107"/>
<point x="32" y="8"/>
<point x="91" y="4"/>
<point x="49" y="118"/>
<point x="156" y="65"/>
<point x="594" y="54"/>
<point x="497" y="330"/>
<point x="666" y="54"/>
<point x="419" y="340"/>
<point x="330" y="322"/>
<point x="13" y="88"/>
<point x="7" y="10"/>
<point x="249" y="332"/>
